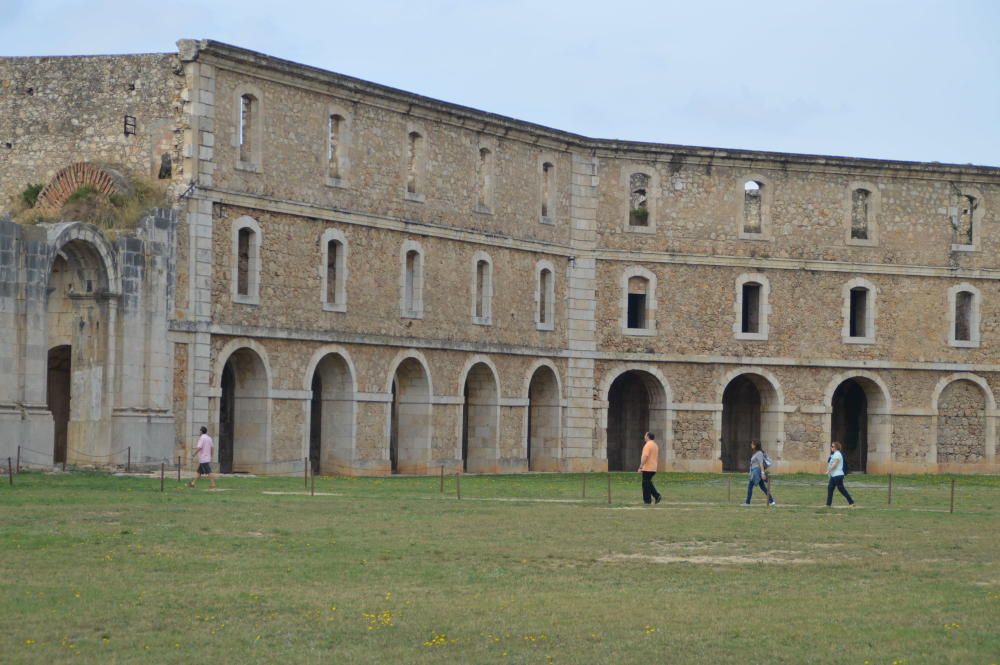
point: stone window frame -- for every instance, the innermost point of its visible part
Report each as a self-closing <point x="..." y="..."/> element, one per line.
<point x="253" y="269"/>
<point x="416" y="309"/>
<point x="551" y="205"/>
<point x="766" y="203"/>
<point x="764" y="304"/>
<point x="974" y="316"/>
<point x="977" y="218"/>
<point x="255" y="164"/>
<point x="344" y="141"/>
<point x="870" y="314"/>
<point x="420" y="165"/>
<point x="340" y="302"/>
<point x="874" y="211"/>
<point x="650" y="277"/>
<point x="652" y="195"/>
<point x="487" y="318"/>
<point x="489" y="195"/>
<point x="550" y="296"/>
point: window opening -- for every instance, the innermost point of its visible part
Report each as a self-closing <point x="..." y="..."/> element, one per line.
<point x="482" y="289"/>
<point x="859" y="312"/>
<point x="752" y="208"/>
<point x="333" y="147"/>
<point x="485" y="177"/>
<point x="963" y="316"/>
<point x="860" y="209"/>
<point x="411" y="292"/>
<point x="547" y="171"/>
<point x="751" y="308"/>
<point x="414" y="145"/>
<point x="638" y="214"/>
<point x="244" y="242"/>
<point x="964" y="223"/>
<point x="544" y="295"/>
<point x="333" y="258"/>
<point x="248" y="113"/>
<point x="637" y="287"/>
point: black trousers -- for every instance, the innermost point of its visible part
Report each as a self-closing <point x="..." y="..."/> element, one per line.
<point x="648" y="490"/>
<point x="837" y="482"/>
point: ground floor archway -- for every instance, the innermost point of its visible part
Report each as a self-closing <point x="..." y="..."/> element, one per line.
<point x="962" y="424"/>
<point x="480" y="420"/>
<point x="849" y="424"/>
<point x="750" y="411"/>
<point x="410" y="418"/>
<point x="331" y="413"/>
<point x="544" y="420"/>
<point x="637" y="403"/>
<point x="244" y="413"/>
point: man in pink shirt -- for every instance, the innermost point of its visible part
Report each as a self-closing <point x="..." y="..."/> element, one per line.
<point x="204" y="453"/>
<point x="647" y="466"/>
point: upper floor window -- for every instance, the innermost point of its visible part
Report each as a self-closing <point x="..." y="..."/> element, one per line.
<point x="412" y="282"/>
<point x="484" y="177"/>
<point x="482" y="289"/>
<point x="752" y="308"/>
<point x="335" y="124"/>
<point x="859" y="213"/>
<point x="545" y="297"/>
<point x="245" y="273"/>
<point x="548" y="191"/>
<point x="334" y="294"/>
<point x="966" y="215"/>
<point x="638" y="301"/>
<point x="863" y="205"/>
<point x="248" y="116"/>
<point x="249" y="119"/>
<point x="415" y="165"/>
<point x="859" y="312"/>
<point x="963" y="302"/>
<point x="638" y="212"/>
<point x="753" y="209"/>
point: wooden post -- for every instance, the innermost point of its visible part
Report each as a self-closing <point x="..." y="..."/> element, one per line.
<point x="10" y="472"/>
<point x="729" y="489"/>
<point x="305" y="472"/>
<point x="18" y="467"/>
<point x="442" y="479"/>
<point x="609" y="488"/>
<point x="178" y="468"/>
<point x="312" y="484"/>
<point x="163" y="469"/>
<point x="128" y="461"/>
<point x="584" y="485"/>
<point x="458" y="484"/>
<point x="64" y="466"/>
<point x="890" y="489"/>
<point x="950" y="510"/>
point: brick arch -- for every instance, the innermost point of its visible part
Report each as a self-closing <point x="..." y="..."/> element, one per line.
<point x="105" y="180"/>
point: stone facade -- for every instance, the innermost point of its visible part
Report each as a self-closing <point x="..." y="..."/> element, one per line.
<point x="382" y="282"/>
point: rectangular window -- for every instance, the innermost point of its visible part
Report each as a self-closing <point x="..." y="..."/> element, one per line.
<point x="243" y="262"/>
<point x="963" y="317"/>
<point x="544" y="296"/>
<point x="248" y="118"/>
<point x="333" y="151"/>
<point x="637" y="310"/>
<point x="751" y="308"/>
<point x="332" y="259"/>
<point x="859" y="312"/>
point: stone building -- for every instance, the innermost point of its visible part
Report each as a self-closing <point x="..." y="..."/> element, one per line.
<point x="383" y="282"/>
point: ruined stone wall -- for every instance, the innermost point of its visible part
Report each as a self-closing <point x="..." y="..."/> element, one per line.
<point x="58" y="110"/>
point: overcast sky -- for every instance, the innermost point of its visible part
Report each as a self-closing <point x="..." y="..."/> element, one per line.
<point x="913" y="79"/>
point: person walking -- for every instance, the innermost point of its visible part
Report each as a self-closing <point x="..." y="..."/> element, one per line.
<point x="758" y="473"/>
<point x="647" y="467"/>
<point x="835" y="469"/>
<point x="204" y="454"/>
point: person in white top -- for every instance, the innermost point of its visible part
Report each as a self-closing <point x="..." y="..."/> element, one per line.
<point x="204" y="454"/>
<point x="835" y="469"/>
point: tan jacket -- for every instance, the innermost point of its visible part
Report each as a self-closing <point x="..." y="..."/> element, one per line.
<point x="650" y="456"/>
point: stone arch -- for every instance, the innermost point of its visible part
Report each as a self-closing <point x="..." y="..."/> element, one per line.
<point x="634" y="399"/>
<point x="107" y="182"/>
<point x="867" y="421"/>
<point x="480" y="426"/>
<point x="752" y="406"/>
<point x="963" y="429"/>
<point x="543" y="417"/>
<point x="330" y="416"/>
<point x="409" y="413"/>
<point x="243" y="376"/>
<point x="86" y="243"/>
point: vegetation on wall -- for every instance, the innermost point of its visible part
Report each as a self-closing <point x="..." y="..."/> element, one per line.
<point x="88" y="204"/>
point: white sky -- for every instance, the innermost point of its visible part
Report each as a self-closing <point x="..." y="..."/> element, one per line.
<point x="913" y="79"/>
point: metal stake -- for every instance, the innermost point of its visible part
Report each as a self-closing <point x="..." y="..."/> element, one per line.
<point x="890" y="489"/>
<point x="178" y="468"/>
<point x="305" y="472"/>
<point x="950" y="510"/>
<point x="163" y="468"/>
<point x="18" y="467"/>
<point x="128" y="461"/>
<point x="458" y="484"/>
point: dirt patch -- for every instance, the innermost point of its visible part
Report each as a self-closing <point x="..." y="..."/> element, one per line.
<point x="773" y="558"/>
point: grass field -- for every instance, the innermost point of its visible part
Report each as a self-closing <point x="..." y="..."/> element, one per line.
<point x="103" y="569"/>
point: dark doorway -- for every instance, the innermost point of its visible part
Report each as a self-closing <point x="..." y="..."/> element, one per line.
<point x="316" y="422"/>
<point x="58" y="397"/>
<point x="849" y="424"/>
<point x="741" y="406"/>
<point x="227" y="418"/>
<point x="628" y="421"/>
<point x="394" y="432"/>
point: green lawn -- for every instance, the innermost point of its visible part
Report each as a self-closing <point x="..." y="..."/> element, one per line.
<point x="102" y="569"/>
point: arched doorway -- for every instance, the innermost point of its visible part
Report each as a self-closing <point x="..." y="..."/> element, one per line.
<point x="58" y="396"/>
<point x="849" y="424"/>
<point x="244" y="413"/>
<point x="750" y="411"/>
<point x="544" y="421"/>
<point x="962" y="426"/>
<point x="410" y="418"/>
<point x="76" y="330"/>
<point x="637" y="404"/>
<point x="480" y="419"/>
<point x="331" y="410"/>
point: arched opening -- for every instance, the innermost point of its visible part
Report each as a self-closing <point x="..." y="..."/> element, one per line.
<point x="410" y="418"/>
<point x="331" y="410"/>
<point x="636" y="405"/>
<point x="76" y="329"/>
<point x="58" y="396"/>
<point x="961" y="424"/>
<point x="243" y="413"/>
<point x="480" y="416"/>
<point x="749" y="411"/>
<point x="544" y="421"/>
<point x="859" y="421"/>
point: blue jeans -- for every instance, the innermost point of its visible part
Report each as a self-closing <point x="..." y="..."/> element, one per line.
<point x="755" y="479"/>
<point x="837" y="482"/>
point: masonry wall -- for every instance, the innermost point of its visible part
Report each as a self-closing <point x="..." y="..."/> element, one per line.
<point x="58" y="110"/>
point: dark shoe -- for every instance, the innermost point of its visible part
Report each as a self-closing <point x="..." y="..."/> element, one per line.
<point x="658" y="499"/>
